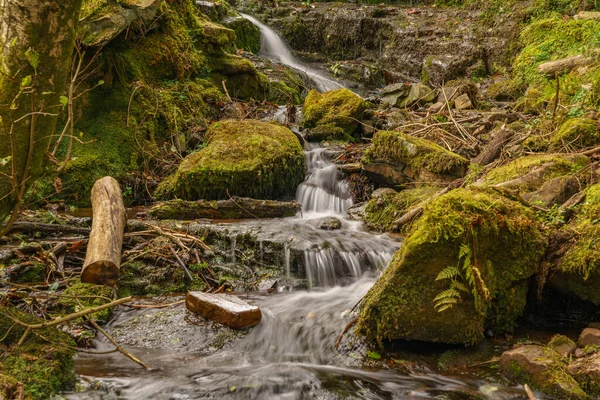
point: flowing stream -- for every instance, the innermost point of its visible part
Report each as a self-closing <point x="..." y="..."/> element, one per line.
<point x="291" y="353"/>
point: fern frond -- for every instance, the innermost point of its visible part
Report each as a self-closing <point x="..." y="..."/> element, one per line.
<point x="451" y="300"/>
<point x="448" y="273"/>
<point x="448" y="293"/>
<point x="459" y="286"/>
<point x="444" y="308"/>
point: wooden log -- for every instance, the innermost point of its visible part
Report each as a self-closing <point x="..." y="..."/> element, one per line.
<point x="103" y="257"/>
<point x="234" y="208"/>
<point x="494" y="148"/>
<point x="563" y="65"/>
<point x="582" y="15"/>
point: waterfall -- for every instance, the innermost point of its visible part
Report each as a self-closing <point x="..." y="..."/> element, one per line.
<point x="273" y="47"/>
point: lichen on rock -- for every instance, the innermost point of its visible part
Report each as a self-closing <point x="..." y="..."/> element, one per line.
<point x="242" y="158"/>
<point x="341" y="108"/>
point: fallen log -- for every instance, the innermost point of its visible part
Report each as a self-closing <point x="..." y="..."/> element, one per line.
<point x="224" y="309"/>
<point x="234" y="208"/>
<point x="103" y="256"/>
<point x="38" y="227"/>
<point x="563" y="65"/>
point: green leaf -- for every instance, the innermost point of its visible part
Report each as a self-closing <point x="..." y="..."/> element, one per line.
<point x="459" y="286"/>
<point x="64" y="100"/>
<point x="47" y="93"/>
<point x="447" y="273"/>
<point x="374" y="355"/>
<point x="33" y="57"/>
<point x="100" y="82"/>
<point x="54" y="287"/>
<point x="447" y="294"/>
<point x="25" y="82"/>
<point x="14" y="42"/>
<point x="464" y="251"/>
<point x="5" y="160"/>
<point x="444" y="308"/>
<point x="232" y="388"/>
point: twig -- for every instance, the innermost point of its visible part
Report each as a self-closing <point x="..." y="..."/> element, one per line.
<point x="339" y="340"/>
<point x="118" y="346"/>
<point x="242" y="208"/>
<point x="140" y="306"/>
<point x="529" y="392"/>
<point x="185" y="268"/>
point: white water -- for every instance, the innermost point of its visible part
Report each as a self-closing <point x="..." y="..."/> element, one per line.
<point x="273" y="47"/>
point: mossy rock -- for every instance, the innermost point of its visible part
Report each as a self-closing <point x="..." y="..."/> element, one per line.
<point x="340" y="107"/>
<point x="580" y="265"/>
<point x="80" y="296"/>
<point x="142" y="279"/>
<point x="247" y="35"/>
<point x="576" y="133"/>
<point x="462" y="269"/>
<point x="534" y="102"/>
<point x="44" y="363"/>
<point x="505" y="90"/>
<point x="242" y="158"/>
<point x="396" y="157"/>
<point x="558" y="165"/>
<point x="383" y="211"/>
<point x="327" y="132"/>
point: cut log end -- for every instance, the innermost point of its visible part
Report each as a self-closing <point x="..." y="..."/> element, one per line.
<point x="101" y="273"/>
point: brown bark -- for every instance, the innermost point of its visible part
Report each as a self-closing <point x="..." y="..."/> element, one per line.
<point x="103" y="257"/>
<point x="563" y="65"/>
<point x="36" y="46"/>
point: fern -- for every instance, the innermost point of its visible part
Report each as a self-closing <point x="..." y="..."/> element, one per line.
<point x="446" y="294"/>
<point x="459" y="286"/>
<point x="448" y="273"/>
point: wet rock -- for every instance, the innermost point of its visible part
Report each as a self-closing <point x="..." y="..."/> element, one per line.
<point x="436" y="107"/>
<point x="383" y="192"/>
<point x="554" y="191"/>
<point x="589" y="336"/>
<point x="443" y="68"/>
<point x="403" y="95"/>
<point x="243" y="158"/>
<point x="463" y="102"/>
<point x="331" y="224"/>
<point x="357" y="212"/>
<point x="326" y="132"/>
<point x="223" y="308"/>
<point x="234" y="208"/>
<point x="107" y="21"/>
<point x="247" y="35"/>
<point x="586" y="371"/>
<point x="415" y="299"/>
<point x="267" y="285"/>
<point x="394" y="158"/>
<point x="540" y="367"/>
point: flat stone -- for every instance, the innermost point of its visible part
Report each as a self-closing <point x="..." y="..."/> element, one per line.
<point x="463" y="102"/>
<point x="589" y="336"/>
<point x="267" y="285"/>
<point x="331" y="224"/>
<point x="223" y="308"/>
<point x="436" y="107"/>
<point x="350" y="168"/>
<point x="533" y="359"/>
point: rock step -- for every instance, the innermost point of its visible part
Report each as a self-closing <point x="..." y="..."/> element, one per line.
<point x="223" y="308"/>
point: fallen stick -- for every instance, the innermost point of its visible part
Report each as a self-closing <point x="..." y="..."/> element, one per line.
<point x="185" y="268"/>
<point x="339" y="340"/>
<point x="118" y="345"/>
<point x="529" y="392"/>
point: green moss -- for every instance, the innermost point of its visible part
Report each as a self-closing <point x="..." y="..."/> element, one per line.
<point x="503" y="90"/>
<point x="560" y="340"/>
<point x="141" y="279"/>
<point x="243" y="158"/>
<point x="581" y="263"/>
<point x="33" y="272"/>
<point x="43" y="363"/>
<point x="576" y="133"/>
<point x="420" y="155"/>
<point x="533" y="102"/>
<point x="502" y="241"/>
<point x="382" y="212"/>
<point x="340" y="107"/>
<point x="327" y="132"/>
<point x="563" y="165"/>
<point x="80" y="296"/>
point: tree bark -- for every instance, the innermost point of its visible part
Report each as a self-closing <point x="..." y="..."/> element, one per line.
<point x="494" y="148"/>
<point x="36" y="45"/>
<point x="563" y="65"/>
<point x="103" y="257"/>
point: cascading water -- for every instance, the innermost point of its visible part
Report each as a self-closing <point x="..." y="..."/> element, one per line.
<point x="291" y="353"/>
<point x="273" y="47"/>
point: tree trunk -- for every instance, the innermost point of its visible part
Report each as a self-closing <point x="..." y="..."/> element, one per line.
<point x="563" y="65"/>
<point x="103" y="256"/>
<point x="36" y="45"/>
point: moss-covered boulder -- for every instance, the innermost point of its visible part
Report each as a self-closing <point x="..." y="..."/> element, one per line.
<point x="341" y="108"/>
<point x="395" y="158"/>
<point x="242" y="158"/>
<point x="462" y="269"/>
<point x="381" y="212"/>
<point x="580" y="265"/>
<point x="576" y="133"/>
<point x="43" y="363"/>
<point x="529" y="173"/>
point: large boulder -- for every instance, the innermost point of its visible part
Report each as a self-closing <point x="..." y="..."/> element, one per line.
<point x="337" y="108"/>
<point x="395" y="158"/>
<point x="242" y="158"/>
<point x="462" y="269"/>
